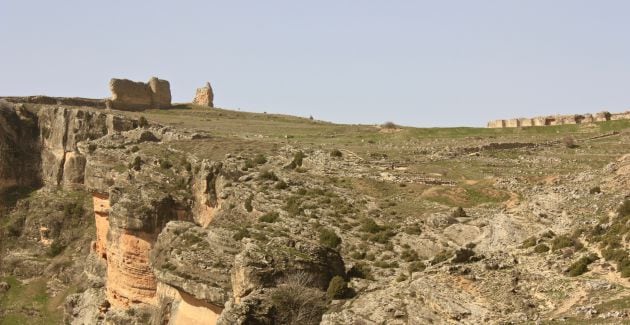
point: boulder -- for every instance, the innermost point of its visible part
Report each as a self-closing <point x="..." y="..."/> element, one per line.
<point x="204" y="96"/>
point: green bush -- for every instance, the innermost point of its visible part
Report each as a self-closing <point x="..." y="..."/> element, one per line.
<point x="136" y="164"/>
<point x="336" y="153"/>
<point x="564" y="241"/>
<point x="293" y="206"/>
<point x="270" y="217"/>
<point x="281" y="185"/>
<point x="459" y="213"/>
<point x="241" y="233"/>
<point x="409" y="255"/>
<point x="268" y="175"/>
<point x="142" y="122"/>
<point x="329" y="238"/>
<point x="92" y="147"/>
<point x="337" y="288"/>
<point x="529" y="242"/>
<point x="248" y="204"/>
<point x="441" y="257"/>
<point x="541" y="248"/>
<point x="417" y="266"/>
<point x="581" y="266"/>
<point x="260" y="159"/>
<point x="298" y="158"/>
<point x="55" y="248"/>
<point x="370" y="226"/>
<point x="165" y="164"/>
<point x="624" y="209"/>
<point x="361" y="271"/>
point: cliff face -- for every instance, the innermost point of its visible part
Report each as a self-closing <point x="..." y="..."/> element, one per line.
<point x="164" y="249"/>
<point x="19" y="147"/>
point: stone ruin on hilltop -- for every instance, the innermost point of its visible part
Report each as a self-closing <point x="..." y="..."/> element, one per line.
<point x="130" y="95"/>
<point x="559" y="120"/>
<point x="204" y="96"/>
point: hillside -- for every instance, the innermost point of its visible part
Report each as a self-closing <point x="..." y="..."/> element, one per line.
<point x="192" y="215"/>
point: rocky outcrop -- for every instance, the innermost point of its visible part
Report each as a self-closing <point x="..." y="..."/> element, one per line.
<point x="558" y="120"/>
<point x="19" y="147"/>
<point x="65" y="101"/>
<point x="134" y="96"/>
<point x="192" y="266"/>
<point x="204" y="96"/>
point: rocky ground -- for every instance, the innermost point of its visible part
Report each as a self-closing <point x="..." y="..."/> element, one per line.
<point x="193" y="215"/>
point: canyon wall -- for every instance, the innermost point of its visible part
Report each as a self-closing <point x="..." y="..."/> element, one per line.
<point x="19" y="147"/>
<point x="164" y="249"/>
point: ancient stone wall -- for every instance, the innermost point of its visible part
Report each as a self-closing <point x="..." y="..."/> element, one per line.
<point x="558" y="120"/>
<point x="130" y="95"/>
<point x="204" y="96"/>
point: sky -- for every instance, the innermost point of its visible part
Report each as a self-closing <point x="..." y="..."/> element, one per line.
<point x="417" y="63"/>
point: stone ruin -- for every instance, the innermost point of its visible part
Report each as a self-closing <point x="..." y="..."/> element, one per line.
<point x="130" y="95"/>
<point x="559" y="120"/>
<point x="204" y="96"/>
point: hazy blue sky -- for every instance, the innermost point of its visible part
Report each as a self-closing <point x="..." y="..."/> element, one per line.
<point x="421" y="63"/>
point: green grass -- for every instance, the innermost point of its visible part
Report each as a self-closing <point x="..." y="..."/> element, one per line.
<point x="32" y="295"/>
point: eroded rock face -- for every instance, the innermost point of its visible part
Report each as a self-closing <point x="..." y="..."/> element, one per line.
<point x="19" y="147"/>
<point x="135" y="220"/>
<point x="134" y="96"/>
<point x="204" y="96"/>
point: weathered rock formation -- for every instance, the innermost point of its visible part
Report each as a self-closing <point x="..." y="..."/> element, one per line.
<point x="558" y="120"/>
<point x="204" y="96"/>
<point x="19" y="147"/>
<point x="133" y="96"/>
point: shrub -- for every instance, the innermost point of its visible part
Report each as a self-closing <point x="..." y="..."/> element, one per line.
<point x="336" y="153"/>
<point x="248" y="204"/>
<point x="581" y="266"/>
<point x="298" y="157"/>
<point x="73" y="210"/>
<point x="136" y="164"/>
<point x="281" y="185"/>
<point x="165" y="164"/>
<point x="624" y="209"/>
<point x="92" y="147"/>
<point x="329" y="238"/>
<point x="296" y="302"/>
<point x="293" y="206"/>
<point x="569" y="142"/>
<point x="529" y="242"/>
<point x="55" y="248"/>
<point x="389" y="125"/>
<point x="417" y="266"/>
<point x="260" y="159"/>
<point x="595" y="190"/>
<point x="240" y="234"/>
<point x="369" y="225"/>
<point x="268" y="175"/>
<point x="413" y="230"/>
<point x="337" y="288"/>
<point x="441" y="257"/>
<point x="401" y="277"/>
<point x="270" y="217"/>
<point x="142" y="122"/>
<point x="564" y="241"/>
<point x="541" y="248"/>
<point x="135" y="149"/>
<point x="360" y="270"/>
<point x="459" y="213"/>
<point x="409" y="255"/>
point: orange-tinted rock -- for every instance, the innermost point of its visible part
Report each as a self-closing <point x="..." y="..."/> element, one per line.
<point x="204" y="96"/>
